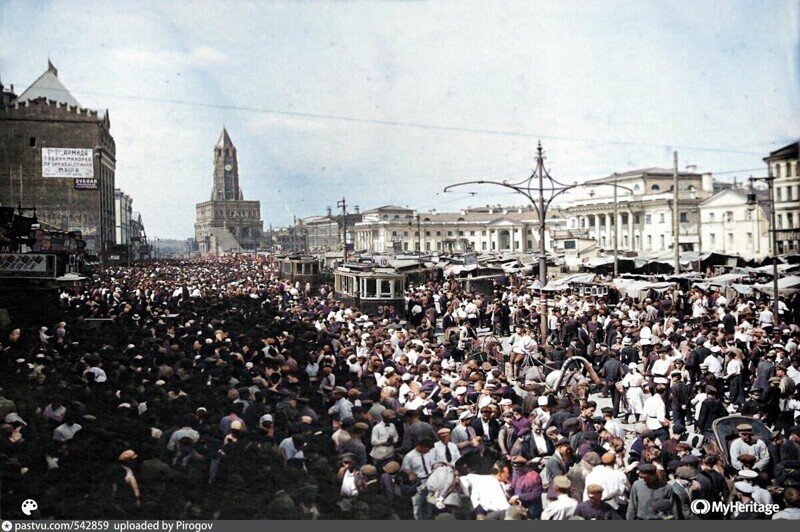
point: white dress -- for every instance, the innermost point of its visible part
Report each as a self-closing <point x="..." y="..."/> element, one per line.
<point x="633" y="383"/>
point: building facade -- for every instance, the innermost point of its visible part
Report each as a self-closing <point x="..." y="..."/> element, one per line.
<point x="782" y="164"/>
<point x="227" y="222"/>
<point x="486" y="229"/>
<point x="643" y="213"/>
<point x="324" y="233"/>
<point x="59" y="158"/>
<point x="730" y="226"/>
<point x="123" y="212"/>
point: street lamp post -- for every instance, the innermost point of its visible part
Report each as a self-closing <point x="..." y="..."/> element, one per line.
<point x="752" y="204"/>
<point x="541" y="204"/>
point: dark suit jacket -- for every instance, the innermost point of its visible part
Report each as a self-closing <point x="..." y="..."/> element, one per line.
<point x="494" y="430"/>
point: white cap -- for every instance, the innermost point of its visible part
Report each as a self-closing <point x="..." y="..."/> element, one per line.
<point x="263" y="419"/>
<point x="466" y="415"/>
<point x="505" y="402"/>
<point x="542" y="400"/>
<point x="461" y="390"/>
<point x="407" y="376"/>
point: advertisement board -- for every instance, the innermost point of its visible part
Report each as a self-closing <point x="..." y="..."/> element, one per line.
<point x="86" y="183"/>
<point x="30" y="265"/>
<point x="67" y="162"/>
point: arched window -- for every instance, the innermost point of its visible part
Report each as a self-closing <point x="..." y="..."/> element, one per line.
<point x="655" y="188"/>
<point x="636" y="189"/>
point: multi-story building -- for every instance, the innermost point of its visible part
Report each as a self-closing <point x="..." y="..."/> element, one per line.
<point x="324" y="233"/>
<point x="644" y="210"/>
<point x="487" y="229"/>
<point x="59" y="158"/>
<point x="730" y="226"/>
<point x="123" y="211"/>
<point x="783" y="167"/>
<point x="227" y="222"/>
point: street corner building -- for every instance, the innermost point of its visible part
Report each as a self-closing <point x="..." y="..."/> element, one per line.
<point x="227" y="222"/>
<point x="59" y="158"/>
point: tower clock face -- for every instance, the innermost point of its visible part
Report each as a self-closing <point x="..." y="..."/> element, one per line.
<point x="228" y="167"/>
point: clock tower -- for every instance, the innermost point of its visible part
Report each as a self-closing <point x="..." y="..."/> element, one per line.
<point x="227" y="223"/>
<point x="226" y="170"/>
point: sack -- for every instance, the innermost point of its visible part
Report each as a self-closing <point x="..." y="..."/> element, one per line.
<point x="620" y="387"/>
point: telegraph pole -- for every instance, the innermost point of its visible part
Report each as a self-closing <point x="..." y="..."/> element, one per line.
<point x="343" y="205"/>
<point x="675" y="214"/>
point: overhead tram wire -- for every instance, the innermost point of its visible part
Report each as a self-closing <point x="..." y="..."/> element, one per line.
<point x="417" y="125"/>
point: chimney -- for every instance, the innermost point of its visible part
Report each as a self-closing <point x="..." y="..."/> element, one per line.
<point x="358" y="210"/>
<point x="691" y="168"/>
<point x="329" y="212"/>
<point x="463" y="212"/>
<point x="433" y="212"/>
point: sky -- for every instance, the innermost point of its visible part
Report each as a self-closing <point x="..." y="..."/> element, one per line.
<point x="390" y="102"/>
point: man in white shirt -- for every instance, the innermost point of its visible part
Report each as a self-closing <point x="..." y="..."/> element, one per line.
<point x="655" y="412"/>
<point x="384" y="436"/>
<point x="713" y="362"/>
<point x="564" y="506"/>
<point x="444" y="450"/>
<point x="613" y="481"/>
<point x="488" y="494"/>
<point x="746" y="443"/>
<point x="418" y="463"/>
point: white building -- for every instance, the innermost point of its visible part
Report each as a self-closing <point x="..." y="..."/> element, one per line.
<point x="732" y="227"/>
<point x="644" y="210"/>
<point x="783" y="166"/>
<point x="123" y="209"/>
<point x="485" y="229"/>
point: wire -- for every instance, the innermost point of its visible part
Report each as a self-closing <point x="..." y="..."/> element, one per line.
<point x="417" y="125"/>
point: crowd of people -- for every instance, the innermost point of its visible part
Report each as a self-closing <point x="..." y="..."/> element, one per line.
<point x="214" y="389"/>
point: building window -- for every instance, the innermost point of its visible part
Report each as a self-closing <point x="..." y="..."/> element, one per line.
<point x="591" y="221"/>
<point x="427" y="233"/>
<point x="779" y="194"/>
<point x="712" y="217"/>
<point x="405" y="233"/>
<point x="780" y="221"/>
<point x="427" y="246"/>
<point x="663" y="242"/>
<point x="483" y="233"/>
<point x="648" y="219"/>
<point x="32" y="142"/>
<point x="649" y="242"/>
<point x="472" y="233"/>
<point x="713" y="240"/>
<point x="655" y="188"/>
<point x="790" y="219"/>
<point x="684" y="217"/>
<point x="449" y="233"/>
<point x="461" y="233"/>
<point x="778" y="170"/>
<point x="730" y="240"/>
<point x="636" y="219"/>
<point x="661" y="218"/>
<point x="530" y="244"/>
<point x="625" y="218"/>
<point x="438" y="233"/>
<point x="483" y="246"/>
<point x="394" y="233"/>
<point x="728" y="216"/>
<point x="750" y="240"/>
<point x="788" y="193"/>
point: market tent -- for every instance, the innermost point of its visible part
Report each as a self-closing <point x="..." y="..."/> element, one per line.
<point x="786" y="286"/>
<point x="639" y="289"/>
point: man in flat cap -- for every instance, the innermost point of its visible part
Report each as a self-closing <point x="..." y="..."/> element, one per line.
<point x="444" y="450"/>
<point x="645" y="492"/>
<point x="747" y="443"/>
<point x="564" y="506"/>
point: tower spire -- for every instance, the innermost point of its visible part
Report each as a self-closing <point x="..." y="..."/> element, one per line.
<point x="226" y="170"/>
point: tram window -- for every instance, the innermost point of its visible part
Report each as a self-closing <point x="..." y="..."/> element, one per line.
<point x="370" y="288"/>
<point x="386" y="288"/>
